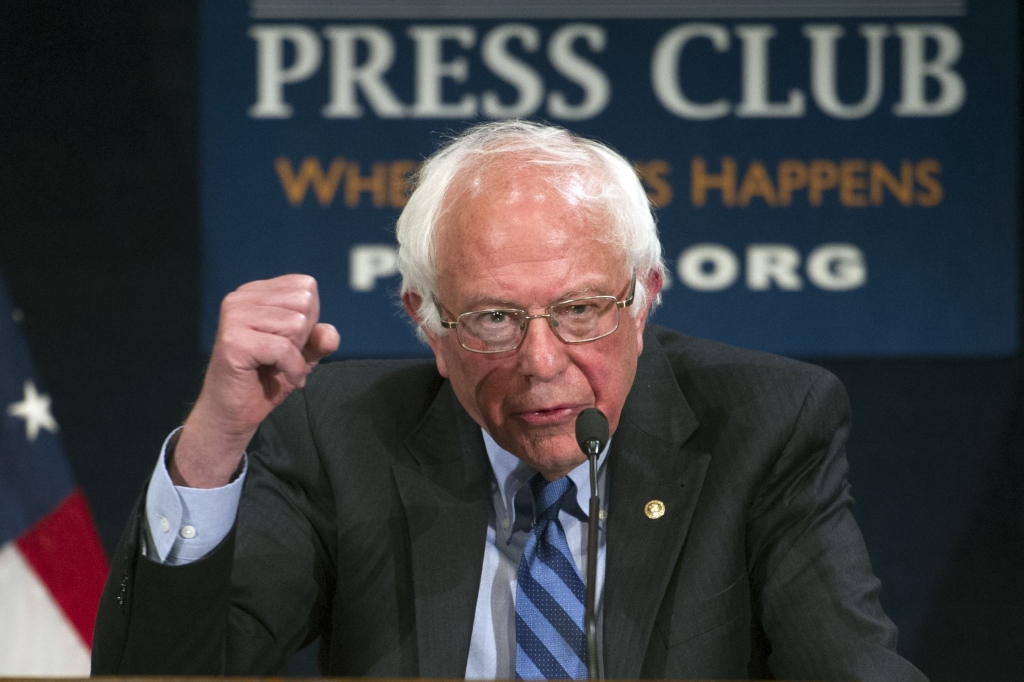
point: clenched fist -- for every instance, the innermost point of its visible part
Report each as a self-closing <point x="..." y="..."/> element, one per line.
<point x="268" y="340"/>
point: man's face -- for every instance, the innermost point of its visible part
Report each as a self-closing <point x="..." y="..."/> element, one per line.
<point x="513" y="242"/>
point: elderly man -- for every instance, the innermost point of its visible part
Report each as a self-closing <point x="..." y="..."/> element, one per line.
<point x="431" y="519"/>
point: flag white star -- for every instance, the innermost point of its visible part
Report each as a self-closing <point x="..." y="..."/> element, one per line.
<point x="34" y="408"/>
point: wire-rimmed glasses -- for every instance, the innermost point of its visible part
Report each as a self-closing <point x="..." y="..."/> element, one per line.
<point x="501" y="330"/>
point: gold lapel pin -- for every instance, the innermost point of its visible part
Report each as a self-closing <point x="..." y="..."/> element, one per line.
<point x="654" y="509"/>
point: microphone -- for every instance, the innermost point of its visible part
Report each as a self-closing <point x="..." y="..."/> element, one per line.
<point x="591" y="431"/>
<point x="592" y="436"/>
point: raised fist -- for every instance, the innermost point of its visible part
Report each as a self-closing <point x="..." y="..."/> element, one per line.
<point x="268" y="340"/>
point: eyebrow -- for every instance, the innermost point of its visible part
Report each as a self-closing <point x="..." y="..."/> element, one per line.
<point x="487" y="302"/>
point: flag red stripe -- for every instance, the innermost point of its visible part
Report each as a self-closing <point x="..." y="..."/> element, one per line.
<point x="64" y="550"/>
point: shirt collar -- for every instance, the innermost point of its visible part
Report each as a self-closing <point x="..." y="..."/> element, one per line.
<point x="512" y="473"/>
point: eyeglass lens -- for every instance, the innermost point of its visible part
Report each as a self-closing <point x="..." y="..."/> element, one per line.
<point x="574" y="321"/>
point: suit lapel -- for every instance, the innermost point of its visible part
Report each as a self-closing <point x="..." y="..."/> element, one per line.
<point x="648" y="461"/>
<point x="447" y="503"/>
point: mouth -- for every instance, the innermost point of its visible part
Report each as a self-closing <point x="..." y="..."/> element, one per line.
<point x="549" y="416"/>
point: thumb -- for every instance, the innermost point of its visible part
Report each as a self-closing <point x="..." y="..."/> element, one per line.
<point x="323" y="340"/>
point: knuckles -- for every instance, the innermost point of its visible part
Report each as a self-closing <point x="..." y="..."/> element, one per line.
<point x="269" y="321"/>
<point x="305" y="282"/>
<point x="230" y="302"/>
<point x="258" y="356"/>
<point x="292" y="324"/>
<point x="302" y="300"/>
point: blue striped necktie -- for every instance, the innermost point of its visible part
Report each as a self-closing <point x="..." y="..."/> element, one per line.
<point x="550" y="643"/>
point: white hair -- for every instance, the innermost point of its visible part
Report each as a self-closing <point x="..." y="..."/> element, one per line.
<point x="585" y="171"/>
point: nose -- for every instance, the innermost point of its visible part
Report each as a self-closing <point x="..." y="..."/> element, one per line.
<point x="542" y="355"/>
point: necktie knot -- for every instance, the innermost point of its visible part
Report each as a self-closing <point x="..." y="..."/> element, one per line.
<point x="548" y="496"/>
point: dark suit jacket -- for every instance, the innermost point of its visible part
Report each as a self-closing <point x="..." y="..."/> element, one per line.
<point x="366" y="505"/>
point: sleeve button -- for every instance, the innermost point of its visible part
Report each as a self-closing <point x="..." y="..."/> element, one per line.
<point x="188" y="532"/>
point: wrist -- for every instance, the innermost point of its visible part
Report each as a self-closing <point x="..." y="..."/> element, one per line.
<point x="203" y="457"/>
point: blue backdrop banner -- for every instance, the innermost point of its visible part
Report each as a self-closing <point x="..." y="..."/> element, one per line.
<point x="831" y="178"/>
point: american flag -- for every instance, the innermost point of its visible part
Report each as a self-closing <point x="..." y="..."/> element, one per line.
<point x="52" y="565"/>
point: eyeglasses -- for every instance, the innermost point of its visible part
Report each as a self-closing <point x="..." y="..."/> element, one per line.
<point x="500" y="330"/>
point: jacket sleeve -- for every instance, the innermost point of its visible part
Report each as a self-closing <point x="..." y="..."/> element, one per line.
<point x="262" y="593"/>
<point x="813" y="589"/>
<point x="155" y="618"/>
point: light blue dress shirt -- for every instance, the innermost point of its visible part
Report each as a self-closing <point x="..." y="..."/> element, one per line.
<point x="187" y="523"/>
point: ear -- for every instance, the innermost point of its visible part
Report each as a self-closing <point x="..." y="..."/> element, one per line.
<point x="411" y="300"/>
<point x="652" y="283"/>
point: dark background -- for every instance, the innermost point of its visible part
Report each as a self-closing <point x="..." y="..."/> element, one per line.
<point x="99" y="244"/>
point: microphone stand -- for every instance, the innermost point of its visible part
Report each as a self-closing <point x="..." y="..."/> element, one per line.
<point x="593" y="450"/>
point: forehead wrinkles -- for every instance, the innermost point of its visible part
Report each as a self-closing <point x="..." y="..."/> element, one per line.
<point x="507" y="173"/>
<point x="511" y="179"/>
<point x="507" y="220"/>
<point x="481" y="195"/>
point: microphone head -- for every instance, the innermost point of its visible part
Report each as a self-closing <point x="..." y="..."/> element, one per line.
<point x="591" y="426"/>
